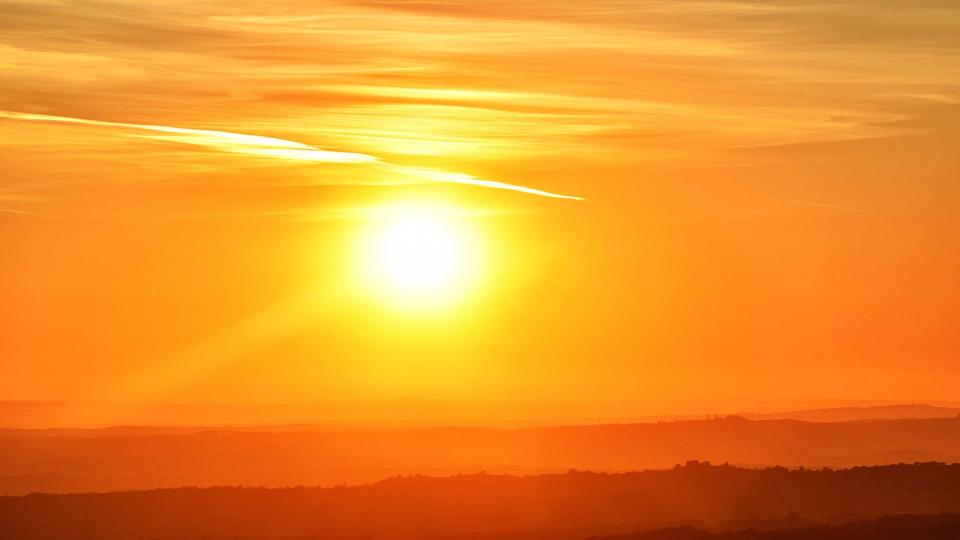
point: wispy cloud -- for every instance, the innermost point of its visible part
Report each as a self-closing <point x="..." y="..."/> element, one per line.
<point x="282" y="149"/>
<point x="466" y="179"/>
<point x="219" y="140"/>
<point x="17" y="211"/>
<point x="411" y="91"/>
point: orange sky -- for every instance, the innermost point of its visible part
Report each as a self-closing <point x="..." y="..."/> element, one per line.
<point x="770" y="198"/>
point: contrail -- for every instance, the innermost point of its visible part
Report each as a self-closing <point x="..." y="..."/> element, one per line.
<point x="21" y="212"/>
<point x="270" y="147"/>
<point x="470" y="180"/>
<point x="220" y="140"/>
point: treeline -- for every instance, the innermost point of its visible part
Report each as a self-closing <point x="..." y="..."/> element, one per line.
<point x="571" y="505"/>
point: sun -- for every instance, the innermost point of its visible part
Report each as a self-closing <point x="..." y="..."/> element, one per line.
<point x="419" y="253"/>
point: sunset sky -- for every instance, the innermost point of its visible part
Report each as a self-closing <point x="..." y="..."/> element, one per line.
<point x="212" y="200"/>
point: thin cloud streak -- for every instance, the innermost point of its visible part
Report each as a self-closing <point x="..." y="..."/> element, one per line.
<point x="466" y="179"/>
<point x="219" y="140"/>
<point x="270" y="147"/>
<point x="18" y="212"/>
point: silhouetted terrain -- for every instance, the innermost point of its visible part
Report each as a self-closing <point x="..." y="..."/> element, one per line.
<point x="571" y="505"/>
<point x="852" y="414"/>
<point x="409" y="412"/>
<point x="142" y="458"/>
<point x="905" y="527"/>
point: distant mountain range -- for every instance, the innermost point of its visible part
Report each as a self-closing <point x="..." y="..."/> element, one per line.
<point x="139" y="458"/>
<point x="813" y="505"/>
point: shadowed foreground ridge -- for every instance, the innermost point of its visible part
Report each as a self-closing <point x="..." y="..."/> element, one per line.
<point x="904" y="527"/>
<point x="571" y="505"/>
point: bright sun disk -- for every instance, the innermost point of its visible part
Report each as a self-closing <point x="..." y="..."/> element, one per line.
<point x="419" y="252"/>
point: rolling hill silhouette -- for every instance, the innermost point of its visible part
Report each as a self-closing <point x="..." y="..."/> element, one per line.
<point x="141" y="458"/>
<point x="570" y="505"/>
<point x="902" y="527"/>
<point x="877" y="412"/>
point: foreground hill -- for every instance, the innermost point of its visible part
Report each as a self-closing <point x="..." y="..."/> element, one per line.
<point x="571" y="505"/>
<point x="905" y="527"/>
<point x="136" y="458"/>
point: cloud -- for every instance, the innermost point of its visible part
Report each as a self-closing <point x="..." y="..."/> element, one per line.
<point x="17" y="211"/>
<point x="466" y="179"/>
<point x="76" y="24"/>
<point x="552" y="87"/>
<point x="281" y="149"/>
<point x="219" y="140"/>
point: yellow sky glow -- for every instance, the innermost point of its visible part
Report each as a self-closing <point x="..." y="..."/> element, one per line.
<point x="248" y="201"/>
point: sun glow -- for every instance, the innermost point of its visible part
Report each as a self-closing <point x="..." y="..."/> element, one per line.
<point x="419" y="254"/>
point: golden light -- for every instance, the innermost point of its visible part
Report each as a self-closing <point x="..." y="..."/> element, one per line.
<point x="420" y="254"/>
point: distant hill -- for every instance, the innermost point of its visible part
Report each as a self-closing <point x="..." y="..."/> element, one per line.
<point x="140" y="458"/>
<point x="850" y="414"/>
<point x="409" y="412"/>
<point x="561" y="506"/>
